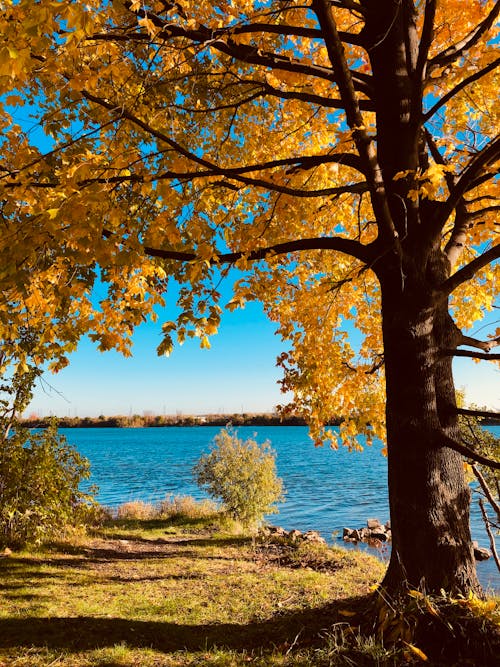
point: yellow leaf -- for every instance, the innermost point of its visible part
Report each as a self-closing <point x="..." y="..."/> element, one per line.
<point x="205" y="343"/>
<point x="416" y="594"/>
<point x="416" y="651"/>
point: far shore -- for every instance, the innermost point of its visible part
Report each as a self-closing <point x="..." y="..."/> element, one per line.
<point x="155" y="421"/>
<point x="158" y="421"/>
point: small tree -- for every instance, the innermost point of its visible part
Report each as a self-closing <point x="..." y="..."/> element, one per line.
<point x="243" y="475"/>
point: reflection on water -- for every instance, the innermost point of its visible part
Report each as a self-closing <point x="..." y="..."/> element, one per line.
<point x="326" y="489"/>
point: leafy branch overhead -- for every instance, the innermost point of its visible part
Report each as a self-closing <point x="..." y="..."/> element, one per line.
<point x="250" y="135"/>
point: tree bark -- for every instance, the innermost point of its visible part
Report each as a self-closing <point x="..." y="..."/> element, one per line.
<point x="428" y="493"/>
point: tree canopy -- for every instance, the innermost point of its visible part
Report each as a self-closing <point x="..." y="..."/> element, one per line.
<point x="147" y="141"/>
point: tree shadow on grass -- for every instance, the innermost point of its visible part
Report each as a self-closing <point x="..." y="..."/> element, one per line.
<point x="125" y="547"/>
<point x="300" y="628"/>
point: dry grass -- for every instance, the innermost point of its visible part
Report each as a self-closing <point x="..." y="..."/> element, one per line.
<point x="171" y="507"/>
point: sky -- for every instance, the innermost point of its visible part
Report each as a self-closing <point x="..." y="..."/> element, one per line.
<point x="238" y="374"/>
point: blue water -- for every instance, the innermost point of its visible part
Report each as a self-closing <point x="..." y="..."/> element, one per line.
<point x="326" y="489"/>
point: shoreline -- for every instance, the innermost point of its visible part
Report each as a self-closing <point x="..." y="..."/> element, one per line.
<point x="169" y="421"/>
<point x="162" y="421"/>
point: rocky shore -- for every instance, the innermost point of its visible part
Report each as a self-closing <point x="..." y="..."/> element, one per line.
<point x="376" y="533"/>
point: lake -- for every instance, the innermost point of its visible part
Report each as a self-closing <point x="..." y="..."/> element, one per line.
<point x="326" y="489"/>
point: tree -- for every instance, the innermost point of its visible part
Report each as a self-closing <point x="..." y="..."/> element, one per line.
<point x="242" y="474"/>
<point x="343" y="154"/>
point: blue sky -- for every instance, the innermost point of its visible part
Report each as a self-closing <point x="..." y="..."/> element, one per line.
<point x="238" y="374"/>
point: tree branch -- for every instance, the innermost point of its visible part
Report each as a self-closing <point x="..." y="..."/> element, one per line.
<point x="490" y="534"/>
<point x="292" y="30"/>
<point x="469" y="453"/>
<point x="471" y="355"/>
<point x="472" y="215"/>
<point x="216" y="170"/>
<point x="297" y="164"/>
<point x="487" y="491"/>
<point x="365" y="105"/>
<point x="467" y="272"/>
<point x="337" y="243"/>
<point x="454" y="52"/>
<point x="485" y="345"/>
<point x="222" y="41"/>
<point x="467" y="179"/>
<point x="425" y="42"/>
<point x="460" y="86"/>
<point x="478" y="413"/>
<point x="364" y="143"/>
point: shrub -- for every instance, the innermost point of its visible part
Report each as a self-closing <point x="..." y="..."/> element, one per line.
<point x="242" y="474"/>
<point x="39" y="479"/>
<point x="39" y="472"/>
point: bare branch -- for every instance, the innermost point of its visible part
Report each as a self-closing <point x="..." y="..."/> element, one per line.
<point x="478" y="413"/>
<point x="364" y="105"/>
<point x="454" y="52"/>
<point x="485" y="345"/>
<point x="346" y="246"/>
<point x="487" y="491"/>
<point x="482" y="211"/>
<point x="467" y="272"/>
<point x="490" y="535"/>
<point x="337" y="243"/>
<point x="471" y="355"/>
<point x="460" y="86"/>
<point x="457" y="241"/>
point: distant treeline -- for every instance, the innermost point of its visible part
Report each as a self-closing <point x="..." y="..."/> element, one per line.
<point x="138" y="421"/>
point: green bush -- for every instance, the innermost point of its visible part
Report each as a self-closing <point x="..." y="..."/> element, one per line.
<point x="242" y="474"/>
<point x="39" y="479"/>
<point x="39" y="472"/>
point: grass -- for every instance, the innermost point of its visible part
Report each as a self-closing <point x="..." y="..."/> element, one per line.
<point x="186" y="592"/>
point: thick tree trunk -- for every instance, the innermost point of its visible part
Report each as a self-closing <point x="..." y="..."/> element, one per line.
<point x="429" y="496"/>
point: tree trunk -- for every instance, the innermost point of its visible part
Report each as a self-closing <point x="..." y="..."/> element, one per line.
<point x="429" y="496"/>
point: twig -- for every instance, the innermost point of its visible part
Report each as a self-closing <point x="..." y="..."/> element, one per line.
<point x="487" y="491"/>
<point x="490" y="534"/>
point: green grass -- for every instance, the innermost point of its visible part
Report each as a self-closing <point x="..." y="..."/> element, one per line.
<point x="152" y="593"/>
<point x="160" y="594"/>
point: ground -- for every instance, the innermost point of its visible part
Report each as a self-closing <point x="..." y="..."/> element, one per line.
<point x="150" y="594"/>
